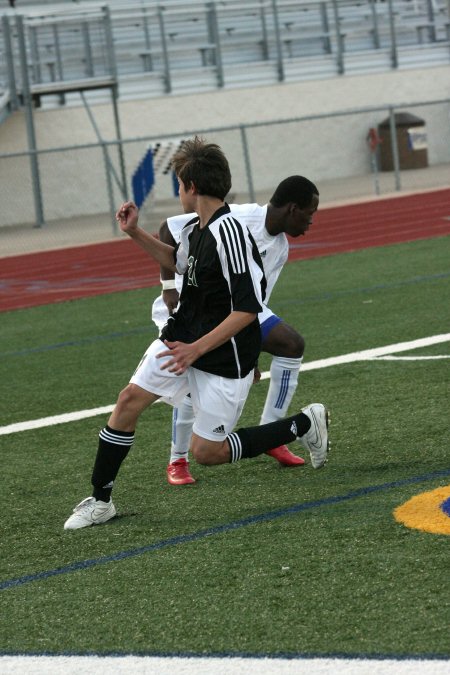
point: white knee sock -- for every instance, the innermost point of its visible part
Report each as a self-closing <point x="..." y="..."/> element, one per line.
<point x="283" y="383"/>
<point x="182" y="421"/>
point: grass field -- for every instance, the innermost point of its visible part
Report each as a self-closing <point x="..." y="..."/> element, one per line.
<point x="253" y="559"/>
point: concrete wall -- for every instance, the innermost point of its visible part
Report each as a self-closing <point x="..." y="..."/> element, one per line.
<point x="73" y="183"/>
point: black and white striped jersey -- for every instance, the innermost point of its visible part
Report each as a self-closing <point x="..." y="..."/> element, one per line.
<point x="222" y="272"/>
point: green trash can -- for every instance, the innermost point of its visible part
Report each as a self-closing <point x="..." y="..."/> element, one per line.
<point x="411" y="142"/>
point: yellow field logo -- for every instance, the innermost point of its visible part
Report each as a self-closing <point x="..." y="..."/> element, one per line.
<point x="429" y="511"/>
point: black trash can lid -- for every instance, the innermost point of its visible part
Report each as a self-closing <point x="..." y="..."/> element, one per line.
<point x="403" y="119"/>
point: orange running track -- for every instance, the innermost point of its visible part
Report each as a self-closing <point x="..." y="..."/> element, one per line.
<point x="66" y="274"/>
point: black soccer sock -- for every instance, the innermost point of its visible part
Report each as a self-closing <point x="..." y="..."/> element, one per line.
<point x="253" y="441"/>
<point x="113" y="447"/>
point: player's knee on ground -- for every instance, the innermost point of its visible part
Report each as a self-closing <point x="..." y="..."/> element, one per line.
<point x="209" y="453"/>
<point x="283" y="340"/>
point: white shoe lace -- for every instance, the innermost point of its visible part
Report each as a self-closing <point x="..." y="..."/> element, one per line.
<point x="84" y="506"/>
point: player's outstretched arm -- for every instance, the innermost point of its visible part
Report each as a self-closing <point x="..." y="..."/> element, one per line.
<point x="127" y="216"/>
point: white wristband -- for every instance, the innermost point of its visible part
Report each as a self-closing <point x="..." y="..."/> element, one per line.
<point x="168" y="284"/>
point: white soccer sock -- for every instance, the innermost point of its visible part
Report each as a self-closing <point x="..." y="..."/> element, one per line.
<point x="182" y="421"/>
<point x="283" y="383"/>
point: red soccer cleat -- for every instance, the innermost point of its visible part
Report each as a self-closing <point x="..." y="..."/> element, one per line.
<point x="178" y="473"/>
<point x="283" y="455"/>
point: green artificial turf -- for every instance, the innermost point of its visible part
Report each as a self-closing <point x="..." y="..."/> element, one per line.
<point x="253" y="558"/>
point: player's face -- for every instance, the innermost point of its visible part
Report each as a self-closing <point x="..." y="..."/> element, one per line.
<point x="186" y="197"/>
<point x="300" y="219"/>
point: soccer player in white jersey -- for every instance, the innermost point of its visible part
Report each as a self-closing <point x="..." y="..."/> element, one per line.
<point x="209" y="346"/>
<point x="289" y="211"/>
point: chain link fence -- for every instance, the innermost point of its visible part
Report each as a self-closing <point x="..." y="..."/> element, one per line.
<point x="81" y="186"/>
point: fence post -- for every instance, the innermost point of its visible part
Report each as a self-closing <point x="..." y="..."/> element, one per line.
<point x="162" y="30"/>
<point x="339" y="42"/>
<point x="280" y="64"/>
<point x="248" y="168"/>
<point x="376" y="32"/>
<point x="214" y="37"/>
<point x="265" y="38"/>
<point x="109" y="166"/>
<point x="114" y="96"/>
<point x="431" y="19"/>
<point x="34" y="49"/>
<point x="28" y="104"/>
<point x="89" y="67"/>
<point x="59" y="63"/>
<point x="109" y="187"/>
<point x="394" y="55"/>
<point x="395" y="158"/>
<point x="10" y="63"/>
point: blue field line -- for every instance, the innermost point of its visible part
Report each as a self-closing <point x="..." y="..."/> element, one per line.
<point x="82" y="341"/>
<point x="287" y="656"/>
<point x="323" y="297"/>
<point x="219" y="529"/>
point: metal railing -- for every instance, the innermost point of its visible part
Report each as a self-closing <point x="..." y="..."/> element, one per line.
<point x="159" y="44"/>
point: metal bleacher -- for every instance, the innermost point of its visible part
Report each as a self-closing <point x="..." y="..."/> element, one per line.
<point x="148" y="48"/>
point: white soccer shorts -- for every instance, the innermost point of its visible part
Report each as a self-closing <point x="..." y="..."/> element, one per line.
<point x="217" y="401"/>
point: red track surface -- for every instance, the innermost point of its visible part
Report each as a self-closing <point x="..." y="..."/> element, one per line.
<point x="55" y="276"/>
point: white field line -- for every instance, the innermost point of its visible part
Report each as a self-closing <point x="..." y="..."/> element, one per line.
<point x="365" y="355"/>
<point x="368" y="354"/>
<point x="413" y="358"/>
<point x="145" y="665"/>
<point x="55" y="419"/>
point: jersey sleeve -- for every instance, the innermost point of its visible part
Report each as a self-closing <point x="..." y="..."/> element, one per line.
<point x="242" y="266"/>
<point x="273" y="271"/>
<point x="181" y="252"/>
<point x="176" y="224"/>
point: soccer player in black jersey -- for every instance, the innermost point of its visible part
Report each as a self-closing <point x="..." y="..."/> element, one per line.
<point x="290" y="211"/>
<point x="209" y="347"/>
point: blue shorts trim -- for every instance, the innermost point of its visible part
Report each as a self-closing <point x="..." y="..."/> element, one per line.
<point x="268" y="324"/>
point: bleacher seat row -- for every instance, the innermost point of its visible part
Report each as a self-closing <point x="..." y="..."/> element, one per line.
<point x="159" y="47"/>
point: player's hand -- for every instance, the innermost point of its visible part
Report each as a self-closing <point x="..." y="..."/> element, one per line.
<point x="127" y="216"/>
<point x="170" y="298"/>
<point x="256" y="375"/>
<point x="181" y="354"/>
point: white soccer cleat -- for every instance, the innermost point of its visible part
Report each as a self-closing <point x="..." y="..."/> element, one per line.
<point x="316" y="439"/>
<point x="90" y="512"/>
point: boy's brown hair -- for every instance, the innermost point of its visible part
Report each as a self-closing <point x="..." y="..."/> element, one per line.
<point x="204" y="165"/>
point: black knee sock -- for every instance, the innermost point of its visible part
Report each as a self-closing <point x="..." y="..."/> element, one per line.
<point x="253" y="441"/>
<point x="113" y="447"/>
